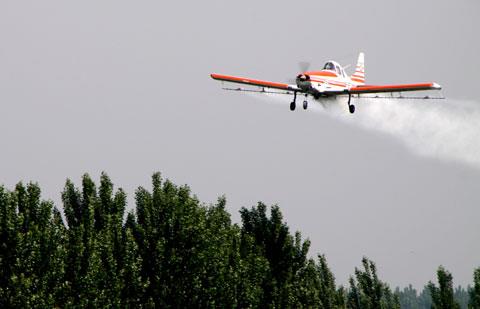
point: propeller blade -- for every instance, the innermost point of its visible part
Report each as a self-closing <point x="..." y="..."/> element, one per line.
<point x="304" y="66"/>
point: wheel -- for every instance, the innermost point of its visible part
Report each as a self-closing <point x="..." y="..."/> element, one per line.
<point x="305" y="104"/>
<point x="292" y="106"/>
<point x="351" y="108"/>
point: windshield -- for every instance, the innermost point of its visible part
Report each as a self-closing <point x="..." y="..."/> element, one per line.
<point x="329" y="66"/>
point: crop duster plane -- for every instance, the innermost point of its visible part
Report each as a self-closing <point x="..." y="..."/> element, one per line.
<point x="331" y="81"/>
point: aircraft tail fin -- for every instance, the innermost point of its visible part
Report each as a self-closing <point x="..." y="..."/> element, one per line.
<point x="359" y="75"/>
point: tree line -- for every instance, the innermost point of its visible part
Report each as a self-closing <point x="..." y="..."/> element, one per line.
<point x="173" y="251"/>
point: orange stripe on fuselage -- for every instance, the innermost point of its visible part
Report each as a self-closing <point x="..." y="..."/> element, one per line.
<point x="330" y="82"/>
<point x="322" y="73"/>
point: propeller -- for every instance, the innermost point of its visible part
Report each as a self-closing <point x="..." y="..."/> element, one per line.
<point x="303" y="66"/>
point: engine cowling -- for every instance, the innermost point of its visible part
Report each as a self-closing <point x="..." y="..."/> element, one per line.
<point x="303" y="81"/>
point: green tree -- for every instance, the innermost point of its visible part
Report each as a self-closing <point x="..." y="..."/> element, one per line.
<point x="185" y="247"/>
<point x="222" y="257"/>
<point x="425" y="298"/>
<point x="316" y="286"/>
<point x="93" y="242"/>
<point x="408" y="298"/>
<point x="133" y="287"/>
<point x="173" y="251"/>
<point x="31" y="255"/>
<point x="461" y="296"/>
<point x="8" y="246"/>
<point x="286" y="254"/>
<point x="327" y="289"/>
<point x="367" y="291"/>
<point x="442" y="296"/>
<point x="475" y="290"/>
<point x="252" y="271"/>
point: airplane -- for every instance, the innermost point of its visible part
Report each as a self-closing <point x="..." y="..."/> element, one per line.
<point x="331" y="81"/>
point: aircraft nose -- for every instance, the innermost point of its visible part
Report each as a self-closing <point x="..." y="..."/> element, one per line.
<point x="303" y="81"/>
<point x="303" y="77"/>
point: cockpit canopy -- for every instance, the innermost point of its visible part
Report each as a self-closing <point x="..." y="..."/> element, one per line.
<point x="329" y="66"/>
<point x="335" y="67"/>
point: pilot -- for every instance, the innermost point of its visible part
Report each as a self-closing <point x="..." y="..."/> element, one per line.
<point x="329" y="66"/>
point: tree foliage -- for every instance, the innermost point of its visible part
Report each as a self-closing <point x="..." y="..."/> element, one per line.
<point x="172" y="251"/>
<point x="475" y="291"/>
<point x="367" y="291"/>
<point x="409" y="299"/>
<point x="443" y="294"/>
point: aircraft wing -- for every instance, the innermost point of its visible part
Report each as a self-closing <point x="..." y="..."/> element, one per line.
<point x="255" y="82"/>
<point x="394" y="88"/>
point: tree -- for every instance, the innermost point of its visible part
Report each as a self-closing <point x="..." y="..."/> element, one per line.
<point x="93" y="242"/>
<point x="461" y="296"/>
<point x="409" y="299"/>
<point x="442" y="296"/>
<point x="185" y="247"/>
<point x="133" y="287"/>
<point x="286" y="254"/>
<point x="8" y="246"/>
<point x="172" y="251"/>
<point x="475" y="290"/>
<point x="316" y="286"/>
<point x="367" y="291"/>
<point x="31" y="255"/>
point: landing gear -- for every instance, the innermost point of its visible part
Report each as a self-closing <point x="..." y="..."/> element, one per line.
<point x="351" y="107"/>
<point x="293" y="105"/>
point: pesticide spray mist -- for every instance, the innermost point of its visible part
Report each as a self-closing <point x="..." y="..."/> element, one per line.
<point x="443" y="129"/>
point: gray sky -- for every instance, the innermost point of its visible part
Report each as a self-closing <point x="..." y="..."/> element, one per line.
<point x="124" y="87"/>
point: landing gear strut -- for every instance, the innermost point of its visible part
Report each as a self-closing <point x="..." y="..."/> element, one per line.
<point x="305" y="102"/>
<point x="351" y="107"/>
<point x="293" y="104"/>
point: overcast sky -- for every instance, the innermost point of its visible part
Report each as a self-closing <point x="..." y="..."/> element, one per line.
<point x="124" y="87"/>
